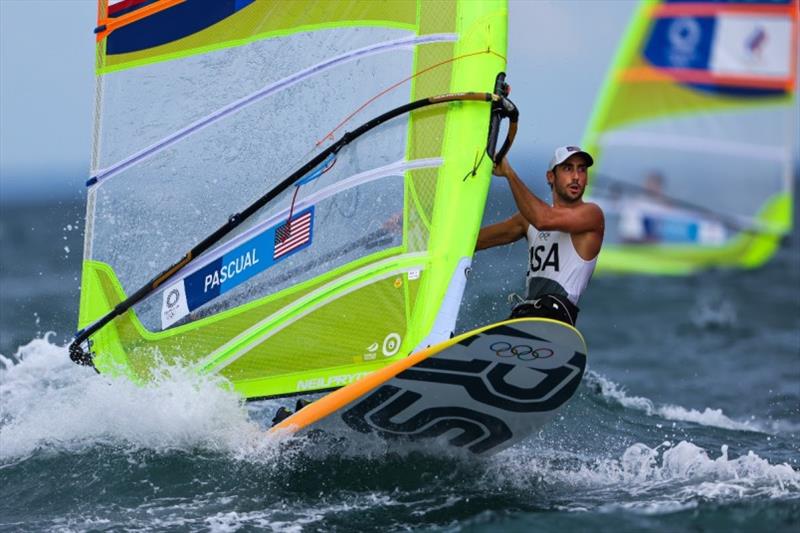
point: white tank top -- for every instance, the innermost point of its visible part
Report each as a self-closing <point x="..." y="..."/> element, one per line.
<point x="554" y="266"/>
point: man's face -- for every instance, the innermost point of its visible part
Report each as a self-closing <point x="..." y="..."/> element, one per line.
<point x="569" y="178"/>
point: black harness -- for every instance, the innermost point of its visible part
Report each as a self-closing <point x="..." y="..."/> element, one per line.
<point x="547" y="306"/>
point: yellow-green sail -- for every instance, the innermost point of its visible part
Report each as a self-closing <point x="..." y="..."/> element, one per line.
<point x="693" y="136"/>
<point x="203" y="106"/>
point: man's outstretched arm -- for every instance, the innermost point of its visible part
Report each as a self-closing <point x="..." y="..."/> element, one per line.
<point x="501" y="233"/>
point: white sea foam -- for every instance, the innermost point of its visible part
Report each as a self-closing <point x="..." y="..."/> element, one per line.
<point x="665" y="478"/>
<point x="707" y="417"/>
<point x="292" y="520"/>
<point x="48" y="402"/>
<point x="651" y="507"/>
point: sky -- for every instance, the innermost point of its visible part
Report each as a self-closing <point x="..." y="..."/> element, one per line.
<point x="559" y="52"/>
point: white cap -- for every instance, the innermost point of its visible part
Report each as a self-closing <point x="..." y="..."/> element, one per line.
<point x="562" y="153"/>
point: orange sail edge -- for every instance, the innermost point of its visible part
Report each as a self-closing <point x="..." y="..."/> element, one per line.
<point x="106" y="25"/>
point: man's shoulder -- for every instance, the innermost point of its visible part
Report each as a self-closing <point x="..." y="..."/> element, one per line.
<point x="592" y="205"/>
<point x="593" y="218"/>
<point x="593" y="208"/>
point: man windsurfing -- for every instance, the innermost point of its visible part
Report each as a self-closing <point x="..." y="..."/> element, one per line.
<point x="564" y="239"/>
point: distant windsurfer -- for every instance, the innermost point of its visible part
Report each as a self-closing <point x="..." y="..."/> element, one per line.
<point x="564" y="239"/>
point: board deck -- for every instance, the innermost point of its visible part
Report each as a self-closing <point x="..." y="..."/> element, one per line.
<point x="482" y="391"/>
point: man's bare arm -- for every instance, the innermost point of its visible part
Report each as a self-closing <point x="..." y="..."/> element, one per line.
<point x="505" y="232"/>
<point x="584" y="218"/>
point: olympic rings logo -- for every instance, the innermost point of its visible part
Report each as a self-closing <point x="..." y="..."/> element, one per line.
<point x="523" y="352"/>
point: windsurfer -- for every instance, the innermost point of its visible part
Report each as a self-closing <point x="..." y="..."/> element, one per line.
<point x="564" y="239"/>
<point x="652" y="217"/>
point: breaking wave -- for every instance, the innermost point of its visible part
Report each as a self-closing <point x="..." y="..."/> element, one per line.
<point x="711" y="417"/>
<point x="48" y="402"/>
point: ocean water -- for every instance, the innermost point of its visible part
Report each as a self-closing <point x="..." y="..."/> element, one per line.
<point x="688" y="419"/>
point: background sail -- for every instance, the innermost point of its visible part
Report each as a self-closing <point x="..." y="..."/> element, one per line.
<point x="693" y="136"/>
<point x="201" y="107"/>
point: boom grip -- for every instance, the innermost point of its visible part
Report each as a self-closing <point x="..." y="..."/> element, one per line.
<point x="512" y="133"/>
<point x="502" y="108"/>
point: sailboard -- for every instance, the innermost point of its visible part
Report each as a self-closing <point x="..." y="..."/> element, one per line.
<point x="693" y="136"/>
<point x="481" y="391"/>
<point x="325" y="164"/>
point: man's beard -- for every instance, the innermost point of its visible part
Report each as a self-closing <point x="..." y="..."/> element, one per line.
<point x="564" y="194"/>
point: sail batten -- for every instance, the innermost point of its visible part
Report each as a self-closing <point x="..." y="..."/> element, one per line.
<point x="396" y="169"/>
<point x="697" y="144"/>
<point x="305" y="307"/>
<point x="242" y="103"/>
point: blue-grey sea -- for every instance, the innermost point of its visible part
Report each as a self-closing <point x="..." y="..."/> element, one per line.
<point x="688" y="418"/>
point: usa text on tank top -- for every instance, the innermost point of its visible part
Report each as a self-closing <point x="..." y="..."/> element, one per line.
<point x="554" y="266"/>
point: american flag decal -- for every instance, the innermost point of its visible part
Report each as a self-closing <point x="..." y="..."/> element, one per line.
<point x="292" y="235"/>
